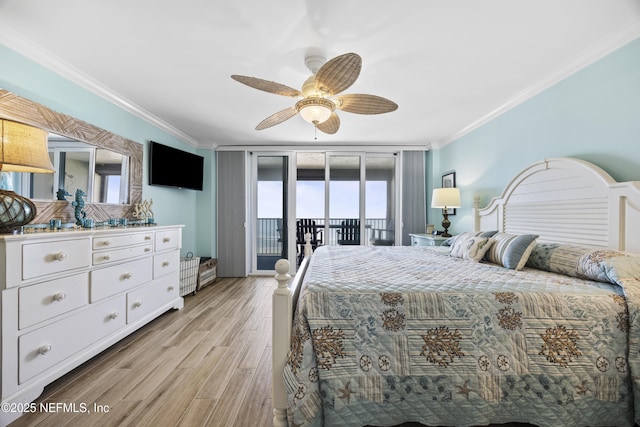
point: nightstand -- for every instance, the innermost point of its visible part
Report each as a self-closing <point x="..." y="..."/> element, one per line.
<point x="426" y="239"/>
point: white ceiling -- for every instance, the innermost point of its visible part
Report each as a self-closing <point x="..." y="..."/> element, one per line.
<point x="449" y="65"/>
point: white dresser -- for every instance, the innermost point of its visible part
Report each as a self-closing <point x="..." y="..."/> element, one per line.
<point x="68" y="295"/>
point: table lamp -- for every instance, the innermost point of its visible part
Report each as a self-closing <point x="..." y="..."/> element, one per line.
<point x="23" y="148"/>
<point x="445" y="198"/>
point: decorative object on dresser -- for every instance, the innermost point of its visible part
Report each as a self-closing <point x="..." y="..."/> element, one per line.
<point x="23" y="148"/>
<point x="68" y="295"/>
<point x="445" y="198"/>
<point x="144" y="211"/>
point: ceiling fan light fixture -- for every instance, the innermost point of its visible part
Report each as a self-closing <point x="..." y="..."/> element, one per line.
<point x="315" y="110"/>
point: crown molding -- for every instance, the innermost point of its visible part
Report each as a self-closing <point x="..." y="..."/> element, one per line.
<point x="605" y="46"/>
<point x="34" y="52"/>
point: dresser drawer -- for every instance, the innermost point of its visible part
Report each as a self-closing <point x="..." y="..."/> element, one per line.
<point x="45" y="347"/>
<point x="165" y="263"/>
<point x="110" y="242"/>
<point x="149" y="298"/>
<point x="105" y="257"/>
<point x="167" y="239"/>
<point x="42" y="259"/>
<point x="47" y="300"/>
<point x="119" y="278"/>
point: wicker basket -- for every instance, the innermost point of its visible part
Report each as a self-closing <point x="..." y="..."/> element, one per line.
<point x="189" y="267"/>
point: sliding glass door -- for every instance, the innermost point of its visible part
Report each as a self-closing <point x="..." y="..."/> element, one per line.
<point x="350" y="196"/>
<point x="380" y="199"/>
<point x="271" y="231"/>
<point x="345" y="213"/>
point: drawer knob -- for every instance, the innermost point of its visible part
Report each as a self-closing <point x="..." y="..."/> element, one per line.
<point x="137" y="304"/>
<point x="127" y="276"/>
<point x="60" y="256"/>
<point x="107" y="243"/>
<point x="44" y="349"/>
<point x="59" y="296"/>
<point x="165" y="264"/>
<point x="166" y="240"/>
<point x="170" y="288"/>
<point x="106" y="257"/>
<point x="113" y="315"/>
<point x="147" y="237"/>
<point x="147" y="249"/>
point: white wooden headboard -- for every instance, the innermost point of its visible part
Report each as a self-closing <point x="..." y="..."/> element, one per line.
<point x="567" y="200"/>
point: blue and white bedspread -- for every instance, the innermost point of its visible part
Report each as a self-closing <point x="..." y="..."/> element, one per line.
<point x="386" y="335"/>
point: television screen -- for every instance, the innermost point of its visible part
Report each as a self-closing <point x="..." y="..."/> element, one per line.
<point x="171" y="167"/>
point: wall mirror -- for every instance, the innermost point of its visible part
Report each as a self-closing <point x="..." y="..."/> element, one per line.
<point x="101" y="173"/>
<point x="109" y="165"/>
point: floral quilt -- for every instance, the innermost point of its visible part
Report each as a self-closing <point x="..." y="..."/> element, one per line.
<point x="386" y="335"/>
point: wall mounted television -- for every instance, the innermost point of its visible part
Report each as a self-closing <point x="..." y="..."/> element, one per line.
<point x="171" y="167"/>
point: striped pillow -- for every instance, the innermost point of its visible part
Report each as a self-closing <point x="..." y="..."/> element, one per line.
<point x="511" y="250"/>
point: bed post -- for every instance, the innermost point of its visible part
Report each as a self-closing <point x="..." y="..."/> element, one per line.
<point x="281" y="335"/>
<point x="284" y="299"/>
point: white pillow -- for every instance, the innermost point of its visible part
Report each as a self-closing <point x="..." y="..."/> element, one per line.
<point x="468" y="246"/>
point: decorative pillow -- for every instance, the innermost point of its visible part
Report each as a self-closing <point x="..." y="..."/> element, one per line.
<point x="451" y="240"/>
<point x="604" y="265"/>
<point x="468" y="246"/>
<point x="511" y="250"/>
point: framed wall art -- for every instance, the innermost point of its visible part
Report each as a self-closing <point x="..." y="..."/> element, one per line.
<point x="449" y="181"/>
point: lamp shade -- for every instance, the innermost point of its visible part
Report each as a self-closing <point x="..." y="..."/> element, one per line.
<point x="445" y="198"/>
<point x="23" y="148"/>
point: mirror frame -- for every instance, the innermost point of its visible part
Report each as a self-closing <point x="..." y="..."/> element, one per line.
<point x="19" y="109"/>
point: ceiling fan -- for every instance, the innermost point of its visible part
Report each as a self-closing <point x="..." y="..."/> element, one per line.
<point x="319" y="97"/>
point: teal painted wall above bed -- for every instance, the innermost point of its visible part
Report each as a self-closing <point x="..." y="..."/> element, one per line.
<point x="593" y="115"/>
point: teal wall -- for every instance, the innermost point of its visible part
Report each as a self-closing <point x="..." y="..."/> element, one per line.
<point x="592" y="115"/>
<point x="171" y="206"/>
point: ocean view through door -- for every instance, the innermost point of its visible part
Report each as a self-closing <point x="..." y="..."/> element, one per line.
<point x="271" y="213"/>
<point x="339" y="198"/>
<point x="351" y="197"/>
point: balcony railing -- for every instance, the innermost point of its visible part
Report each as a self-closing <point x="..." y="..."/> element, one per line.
<point x="270" y="239"/>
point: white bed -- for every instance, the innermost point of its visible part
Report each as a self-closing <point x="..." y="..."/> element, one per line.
<point x="563" y="201"/>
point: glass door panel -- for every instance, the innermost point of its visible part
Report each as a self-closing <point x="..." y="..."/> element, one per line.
<point x="380" y="200"/>
<point x="310" y="199"/>
<point x="271" y="233"/>
<point x="344" y="200"/>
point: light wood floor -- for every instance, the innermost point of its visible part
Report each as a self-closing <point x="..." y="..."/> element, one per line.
<point x="207" y="364"/>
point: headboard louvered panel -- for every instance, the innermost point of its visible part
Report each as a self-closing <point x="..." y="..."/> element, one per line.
<point x="567" y="201"/>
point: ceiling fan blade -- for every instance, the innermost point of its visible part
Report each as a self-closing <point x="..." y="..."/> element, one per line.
<point x="277" y="118"/>
<point x="339" y="73"/>
<point x="366" y="104"/>
<point x="331" y="126"/>
<point x="267" y="86"/>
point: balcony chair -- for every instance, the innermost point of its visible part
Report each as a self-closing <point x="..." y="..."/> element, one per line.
<point x="383" y="236"/>
<point x="304" y="226"/>
<point x="349" y="232"/>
